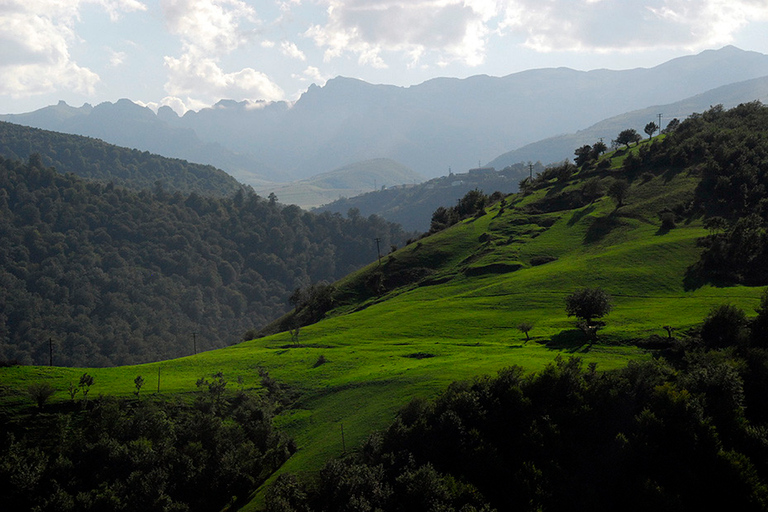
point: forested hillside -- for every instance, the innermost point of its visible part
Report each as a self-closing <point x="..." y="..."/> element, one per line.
<point x="412" y="206"/>
<point x="95" y="159"/>
<point x="114" y="276"/>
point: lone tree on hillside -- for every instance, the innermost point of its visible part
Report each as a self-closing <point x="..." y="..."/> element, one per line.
<point x="650" y="129"/>
<point x="627" y="137"/>
<point x="525" y="328"/>
<point x="587" y="305"/>
<point x="618" y="191"/>
<point x="40" y="393"/>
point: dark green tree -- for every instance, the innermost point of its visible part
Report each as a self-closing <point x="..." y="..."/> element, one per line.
<point x="618" y="191"/>
<point x="587" y="305"/>
<point x="584" y="155"/>
<point x="138" y="382"/>
<point x="40" y="393"/>
<point x="724" y="325"/>
<point x="627" y="137"/>
<point x="525" y="328"/>
<point x="86" y="381"/>
<point x="650" y="129"/>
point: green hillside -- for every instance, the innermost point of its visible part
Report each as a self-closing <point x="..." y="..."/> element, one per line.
<point x="96" y="160"/>
<point x="447" y="306"/>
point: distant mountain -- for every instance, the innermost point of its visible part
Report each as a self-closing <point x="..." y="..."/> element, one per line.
<point x="348" y="181"/>
<point x="441" y="123"/>
<point x="557" y="149"/>
<point x="127" y="124"/>
<point x="94" y="159"/>
<point x="412" y="205"/>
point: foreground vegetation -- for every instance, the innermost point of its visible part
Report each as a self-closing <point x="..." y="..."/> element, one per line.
<point x="684" y="432"/>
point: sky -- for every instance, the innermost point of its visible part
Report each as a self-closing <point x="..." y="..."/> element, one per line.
<point x="188" y="54"/>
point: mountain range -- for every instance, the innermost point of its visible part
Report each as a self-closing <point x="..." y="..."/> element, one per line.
<point x="440" y="124"/>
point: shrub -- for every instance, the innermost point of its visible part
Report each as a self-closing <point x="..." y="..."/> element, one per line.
<point x="724" y="325"/>
<point x="40" y="393"/>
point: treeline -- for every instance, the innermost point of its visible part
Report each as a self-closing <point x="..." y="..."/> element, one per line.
<point x="142" y="454"/>
<point x="95" y="159"/>
<point x="683" y="432"/>
<point x="114" y="276"/>
<point x="471" y="204"/>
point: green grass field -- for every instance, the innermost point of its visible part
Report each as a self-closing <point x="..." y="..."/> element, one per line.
<point x="414" y="341"/>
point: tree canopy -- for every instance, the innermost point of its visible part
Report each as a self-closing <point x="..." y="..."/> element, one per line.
<point x="115" y="276"/>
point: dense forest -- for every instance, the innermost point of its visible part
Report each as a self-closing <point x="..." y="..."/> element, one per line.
<point x="114" y="276"/>
<point x="685" y="431"/>
<point x="95" y="159"/>
<point x="149" y="454"/>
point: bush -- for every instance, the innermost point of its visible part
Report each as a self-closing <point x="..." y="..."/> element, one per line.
<point x="724" y="326"/>
<point x="40" y="393"/>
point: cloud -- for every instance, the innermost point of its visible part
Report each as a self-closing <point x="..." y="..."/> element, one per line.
<point x="312" y="74"/>
<point x="209" y="26"/>
<point x="455" y="29"/>
<point x="35" y="40"/>
<point x="626" y="25"/>
<point x="198" y="77"/>
<point x="210" y="30"/>
<point x="116" y="58"/>
<point x="448" y="31"/>
<point x="291" y="50"/>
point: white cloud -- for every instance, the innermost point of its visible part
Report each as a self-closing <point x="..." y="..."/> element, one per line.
<point x="314" y="75"/>
<point x="202" y="77"/>
<point x="209" y="30"/>
<point x="625" y="25"/>
<point x="460" y="30"/>
<point x="209" y="26"/>
<point x="35" y="40"/>
<point x="454" y="29"/>
<point x="290" y="49"/>
<point x="116" y="58"/>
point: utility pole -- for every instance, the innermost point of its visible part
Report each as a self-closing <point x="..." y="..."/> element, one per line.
<point x="660" y="124"/>
<point x="378" y="248"/>
<point x="194" y="342"/>
<point x="50" y="351"/>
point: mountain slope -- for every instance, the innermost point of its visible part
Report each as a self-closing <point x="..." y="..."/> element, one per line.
<point x="412" y="206"/>
<point x="115" y="276"/>
<point x="348" y="181"/>
<point x="93" y="159"/>
<point x="127" y="124"/>
<point x="561" y="147"/>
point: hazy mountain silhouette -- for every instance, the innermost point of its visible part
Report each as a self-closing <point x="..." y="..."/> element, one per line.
<point x="441" y="123"/>
<point x="558" y="148"/>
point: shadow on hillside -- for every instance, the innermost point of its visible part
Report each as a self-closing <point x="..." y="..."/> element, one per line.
<point x="696" y="277"/>
<point x="600" y="228"/>
<point x="571" y="340"/>
<point x="578" y="215"/>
